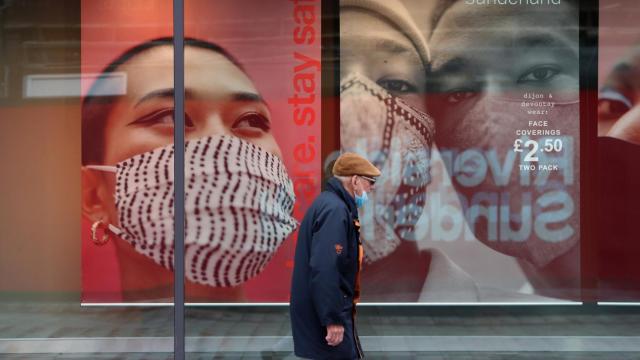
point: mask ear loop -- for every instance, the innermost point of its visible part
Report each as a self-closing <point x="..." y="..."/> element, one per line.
<point x="107" y="230"/>
<point x="107" y="168"/>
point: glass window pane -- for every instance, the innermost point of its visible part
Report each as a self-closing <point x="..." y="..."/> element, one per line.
<point x="127" y="147"/>
<point x="76" y="112"/>
<point x="618" y="118"/>
<point x="253" y="164"/>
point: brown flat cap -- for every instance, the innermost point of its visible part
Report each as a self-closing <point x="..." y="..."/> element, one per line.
<point x="349" y="164"/>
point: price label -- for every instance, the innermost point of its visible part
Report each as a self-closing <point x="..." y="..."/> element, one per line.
<point x="533" y="147"/>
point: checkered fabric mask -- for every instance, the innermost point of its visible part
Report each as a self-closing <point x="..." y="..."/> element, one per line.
<point x="238" y="204"/>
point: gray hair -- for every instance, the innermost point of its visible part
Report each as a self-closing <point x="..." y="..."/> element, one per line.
<point x="343" y="178"/>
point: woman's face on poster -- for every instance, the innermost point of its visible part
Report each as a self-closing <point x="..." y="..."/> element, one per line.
<point x="371" y="46"/>
<point x="219" y="100"/>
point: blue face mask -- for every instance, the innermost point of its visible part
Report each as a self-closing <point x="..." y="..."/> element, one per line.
<point x="361" y="199"/>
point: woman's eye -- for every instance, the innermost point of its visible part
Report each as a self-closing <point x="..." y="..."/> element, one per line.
<point x="252" y="121"/>
<point x="457" y="96"/>
<point x="539" y="74"/>
<point x="397" y="86"/>
<point x="163" y="117"/>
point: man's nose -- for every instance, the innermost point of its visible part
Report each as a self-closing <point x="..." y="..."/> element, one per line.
<point x="500" y="85"/>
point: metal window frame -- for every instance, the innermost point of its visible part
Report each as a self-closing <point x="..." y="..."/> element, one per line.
<point x="178" y="167"/>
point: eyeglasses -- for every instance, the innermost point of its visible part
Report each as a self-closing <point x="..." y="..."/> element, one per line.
<point x="370" y="179"/>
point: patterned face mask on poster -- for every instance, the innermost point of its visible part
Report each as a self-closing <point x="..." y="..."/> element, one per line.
<point x="534" y="215"/>
<point x="238" y="205"/>
<point x="397" y="138"/>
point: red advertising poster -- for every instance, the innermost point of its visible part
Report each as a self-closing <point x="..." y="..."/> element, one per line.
<point x="252" y="156"/>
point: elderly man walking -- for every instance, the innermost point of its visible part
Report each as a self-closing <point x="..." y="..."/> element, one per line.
<point x="325" y="284"/>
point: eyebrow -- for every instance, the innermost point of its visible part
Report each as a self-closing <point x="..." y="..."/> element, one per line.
<point x="542" y="40"/>
<point x="244" y="96"/>
<point x="462" y="63"/>
<point x="393" y="46"/>
<point x="389" y="45"/>
<point x="454" y="64"/>
<point x="169" y="93"/>
<point x="247" y="96"/>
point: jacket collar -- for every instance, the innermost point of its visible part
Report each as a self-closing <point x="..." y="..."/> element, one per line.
<point x="335" y="186"/>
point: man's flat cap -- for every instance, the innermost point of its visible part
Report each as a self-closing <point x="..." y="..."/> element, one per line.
<point x="349" y="164"/>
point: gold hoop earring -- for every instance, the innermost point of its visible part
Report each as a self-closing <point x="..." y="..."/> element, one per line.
<point x="94" y="234"/>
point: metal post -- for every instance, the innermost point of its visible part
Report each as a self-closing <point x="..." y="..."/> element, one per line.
<point x="178" y="167"/>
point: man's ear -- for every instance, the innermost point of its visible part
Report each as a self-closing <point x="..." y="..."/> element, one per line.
<point x="354" y="180"/>
<point x="96" y="196"/>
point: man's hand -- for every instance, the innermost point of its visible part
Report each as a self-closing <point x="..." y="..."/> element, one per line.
<point x="334" y="334"/>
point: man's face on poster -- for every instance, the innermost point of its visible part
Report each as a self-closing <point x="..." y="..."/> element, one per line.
<point x="485" y="60"/>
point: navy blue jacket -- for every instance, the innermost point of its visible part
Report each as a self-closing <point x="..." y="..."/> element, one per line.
<point x="326" y="267"/>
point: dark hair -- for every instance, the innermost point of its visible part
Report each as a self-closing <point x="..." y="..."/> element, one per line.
<point x="443" y="5"/>
<point x="96" y="108"/>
